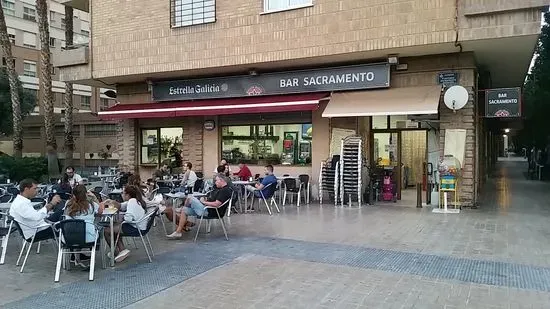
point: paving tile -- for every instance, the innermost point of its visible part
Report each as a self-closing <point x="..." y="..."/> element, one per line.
<point x="326" y="257"/>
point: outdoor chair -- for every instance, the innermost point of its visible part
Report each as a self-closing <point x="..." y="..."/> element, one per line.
<point x="116" y="197"/>
<point x="72" y="240"/>
<point x="304" y="187"/>
<point x="290" y="186"/>
<point x="6" y="198"/>
<point x="5" y="233"/>
<point x="265" y="197"/>
<point x="213" y="213"/>
<point x="164" y="190"/>
<point x="13" y="191"/>
<point x="38" y="202"/>
<point x="143" y="234"/>
<point x="31" y="241"/>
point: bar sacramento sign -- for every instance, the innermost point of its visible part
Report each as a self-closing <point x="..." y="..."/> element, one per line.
<point x="368" y="76"/>
<point x="504" y="102"/>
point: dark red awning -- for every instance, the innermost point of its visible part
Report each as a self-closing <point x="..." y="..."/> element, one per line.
<point x="246" y="105"/>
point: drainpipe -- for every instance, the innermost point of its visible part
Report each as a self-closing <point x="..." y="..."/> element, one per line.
<point x="457" y="43"/>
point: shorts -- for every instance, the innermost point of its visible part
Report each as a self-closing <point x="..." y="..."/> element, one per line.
<point x="196" y="208"/>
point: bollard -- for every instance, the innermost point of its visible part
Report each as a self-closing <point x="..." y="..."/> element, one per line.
<point x="419" y="195"/>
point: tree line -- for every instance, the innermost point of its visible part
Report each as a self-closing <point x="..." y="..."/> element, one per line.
<point x="23" y="102"/>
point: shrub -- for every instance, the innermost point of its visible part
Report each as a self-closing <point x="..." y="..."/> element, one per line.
<point x="19" y="169"/>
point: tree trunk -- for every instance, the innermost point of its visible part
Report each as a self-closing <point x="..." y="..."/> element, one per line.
<point x="13" y="80"/>
<point x="46" y="86"/>
<point x="68" y="96"/>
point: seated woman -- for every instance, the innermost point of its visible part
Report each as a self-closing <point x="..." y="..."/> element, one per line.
<point x="79" y="207"/>
<point x="135" y="211"/>
<point x="64" y="186"/>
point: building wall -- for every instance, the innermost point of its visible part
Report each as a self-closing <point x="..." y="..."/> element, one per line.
<point x="243" y="35"/>
<point x="202" y="148"/>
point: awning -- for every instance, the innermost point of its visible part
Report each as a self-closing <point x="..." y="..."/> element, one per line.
<point x="396" y="101"/>
<point x="246" y="105"/>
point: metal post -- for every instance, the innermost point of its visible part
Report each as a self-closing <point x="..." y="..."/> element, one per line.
<point x="419" y="195"/>
<point x="429" y="193"/>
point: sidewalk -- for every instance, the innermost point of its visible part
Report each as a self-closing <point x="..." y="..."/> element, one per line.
<point x="497" y="256"/>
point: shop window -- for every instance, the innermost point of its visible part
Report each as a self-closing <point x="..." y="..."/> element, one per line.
<point x="281" y="5"/>
<point x="192" y="12"/>
<point x="379" y="122"/>
<point x="287" y="144"/>
<point x="402" y="122"/>
<point x="160" y="145"/>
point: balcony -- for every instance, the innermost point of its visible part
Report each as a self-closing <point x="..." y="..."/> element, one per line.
<point x="71" y="56"/>
<point x="83" y="5"/>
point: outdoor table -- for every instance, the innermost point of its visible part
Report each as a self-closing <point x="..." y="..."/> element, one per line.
<point x="243" y="183"/>
<point x="110" y="214"/>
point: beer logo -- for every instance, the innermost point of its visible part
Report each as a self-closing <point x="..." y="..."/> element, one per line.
<point x="255" y="90"/>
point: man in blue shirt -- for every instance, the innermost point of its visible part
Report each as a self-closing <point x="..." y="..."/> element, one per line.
<point x="268" y="179"/>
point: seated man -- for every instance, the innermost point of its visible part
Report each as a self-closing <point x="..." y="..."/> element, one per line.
<point x="269" y="179"/>
<point x="162" y="172"/>
<point x="196" y="207"/>
<point x="30" y="219"/>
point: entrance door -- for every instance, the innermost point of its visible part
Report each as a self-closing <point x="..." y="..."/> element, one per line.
<point x="414" y="163"/>
<point x="386" y="155"/>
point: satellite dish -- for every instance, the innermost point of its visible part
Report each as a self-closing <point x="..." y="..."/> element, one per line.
<point x="110" y="94"/>
<point x="456" y="97"/>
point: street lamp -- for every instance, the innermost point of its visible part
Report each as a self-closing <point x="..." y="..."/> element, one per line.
<point x="506" y="130"/>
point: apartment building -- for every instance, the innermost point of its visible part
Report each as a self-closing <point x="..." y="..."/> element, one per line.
<point x="90" y="132"/>
<point x="283" y="81"/>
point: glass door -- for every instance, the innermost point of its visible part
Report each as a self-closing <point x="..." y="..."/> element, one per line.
<point x="386" y="156"/>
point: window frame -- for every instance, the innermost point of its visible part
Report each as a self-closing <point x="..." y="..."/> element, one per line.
<point x="85" y="33"/>
<point x="272" y="124"/>
<point x="287" y="8"/>
<point x="158" y="143"/>
<point x="52" y="40"/>
<point x="84" y="104"/>
<point x="177" y="6"/>
<point x="25" y="71"/>
<point x="11" y="10"/>
<point x="28" y="16"/>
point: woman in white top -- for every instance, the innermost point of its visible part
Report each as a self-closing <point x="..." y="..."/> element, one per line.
<point x="135" y="211"/>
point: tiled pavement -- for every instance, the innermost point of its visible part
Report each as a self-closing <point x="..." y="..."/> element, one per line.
<point x="326" y="257"/>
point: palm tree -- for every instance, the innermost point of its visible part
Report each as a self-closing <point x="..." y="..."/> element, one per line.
<point x="46" y="86"/>
<point x="68" y="96"/>
<point x="13" y="79"/>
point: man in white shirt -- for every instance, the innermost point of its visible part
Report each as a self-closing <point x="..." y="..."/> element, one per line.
<point x="74" y="178"/>
<point x="30" y="220"/>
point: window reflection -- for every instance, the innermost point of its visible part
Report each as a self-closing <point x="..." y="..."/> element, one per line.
<point x="287" y="144"/>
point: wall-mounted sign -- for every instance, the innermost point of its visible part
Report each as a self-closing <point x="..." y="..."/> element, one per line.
<point x="209" y="125"/>
<point x="505" y="102"/>
<point x="448" y="79"/>
<point x="368" y="76"/>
